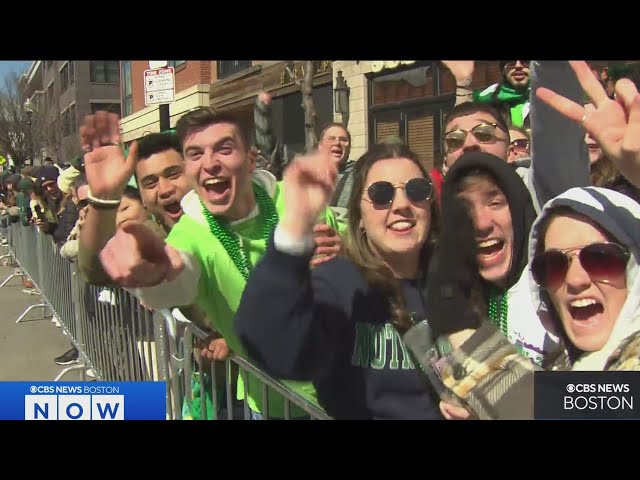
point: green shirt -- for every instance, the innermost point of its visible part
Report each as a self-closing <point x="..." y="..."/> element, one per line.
<point x="221" y="285"/>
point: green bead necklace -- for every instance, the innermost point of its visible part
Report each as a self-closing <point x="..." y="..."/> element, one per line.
<point x="498" y="316"/>
<point x="220" y="229"/>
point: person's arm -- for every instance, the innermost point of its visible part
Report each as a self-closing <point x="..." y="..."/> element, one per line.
<point x="614" y="123"/>
<point x="462" y="71"/>
<point x="560" y="158"/>
<point x="181" y="291"/>
<point x="303" y="325"/>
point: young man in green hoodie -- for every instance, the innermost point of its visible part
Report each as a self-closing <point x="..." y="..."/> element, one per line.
<point x="208" y="255"/>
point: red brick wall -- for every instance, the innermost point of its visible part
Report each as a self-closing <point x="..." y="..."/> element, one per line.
<point x="193" y="73"/>
<point x="137" y="83"/>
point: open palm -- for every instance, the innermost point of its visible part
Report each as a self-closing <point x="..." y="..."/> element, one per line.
<point x="615" y="124"/>
<point x="106" y="168"/>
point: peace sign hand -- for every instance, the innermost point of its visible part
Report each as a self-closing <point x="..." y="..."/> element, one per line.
<point x="615" y="124"/>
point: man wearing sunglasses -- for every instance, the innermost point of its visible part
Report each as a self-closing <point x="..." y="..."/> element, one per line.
<point x="474" y="127"/>
<point x="503" y="207"/>
<point x="512" y="93"/>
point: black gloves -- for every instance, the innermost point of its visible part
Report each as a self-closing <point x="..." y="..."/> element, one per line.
<point x="454" y="286"/>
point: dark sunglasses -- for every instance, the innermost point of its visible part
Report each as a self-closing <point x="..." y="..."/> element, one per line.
<point x="417" y="190"/>
<point x="484" y="133"/>
<point x="82" y="204"/>
<point x="512" y="65"/>
<point x="603" y="262"/>
<point x="520" y="145"/>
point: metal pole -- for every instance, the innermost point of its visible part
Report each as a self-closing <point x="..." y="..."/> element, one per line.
<point x="165" y="117"/>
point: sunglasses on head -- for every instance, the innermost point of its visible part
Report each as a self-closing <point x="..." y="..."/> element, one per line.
<point x="416" y="190"/>
<point x="520" y="145"/>
<point x="83" y="203"/>
<point x="603" y="262"/>
<point x="484" y="133"/>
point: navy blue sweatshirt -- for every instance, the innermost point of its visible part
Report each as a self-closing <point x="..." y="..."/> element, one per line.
<point x="328" y="326"/>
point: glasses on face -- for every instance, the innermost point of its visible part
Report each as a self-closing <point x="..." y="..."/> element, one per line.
<point x="603" y="262"/>
<point x="512" y="65"/>
<point x="416" y="190"/>
<point x="331" y="139"/>
<point x="521" y="145"/>
<point x="485" y="133"/>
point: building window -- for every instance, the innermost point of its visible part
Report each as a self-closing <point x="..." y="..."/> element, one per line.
<point x="229" y="67"/>
<point x="49" y="94"/>
<point x="67" y="76"/>
<point x="106" y="107"/>
<point x="104" y="71"/>
<point x="64" y="78"/>
<point x="127" y="99"/>
<point x="176" y="63"/>
<point x="412" y="104"/>
<point x="65" y="123"/>
<point x="73" y="127"/>
<point x="48" y="64"/>
<point x="72" y="72"/>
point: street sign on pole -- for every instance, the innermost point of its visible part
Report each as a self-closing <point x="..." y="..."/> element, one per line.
<point x="159" y="86"/>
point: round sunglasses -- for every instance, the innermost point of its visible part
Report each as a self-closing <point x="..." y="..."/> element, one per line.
<point x="484" y="133"/>
<point x="603" y="262"/>
<point x="416" y="190"/>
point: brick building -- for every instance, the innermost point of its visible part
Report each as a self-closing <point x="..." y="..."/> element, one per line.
<point x="192" y="83"/>
<point x="63" y="92"/>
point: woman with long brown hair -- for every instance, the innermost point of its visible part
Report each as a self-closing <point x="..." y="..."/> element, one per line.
<point x="337" y="325"/>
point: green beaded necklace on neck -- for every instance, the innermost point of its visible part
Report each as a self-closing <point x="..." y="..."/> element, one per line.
<point x="220" y="229"/>
<point x="498" y="318"/>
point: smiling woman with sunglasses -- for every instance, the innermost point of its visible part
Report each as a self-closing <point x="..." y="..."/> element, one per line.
<point x="585" y="283"/>
<point x="338" y="324"/>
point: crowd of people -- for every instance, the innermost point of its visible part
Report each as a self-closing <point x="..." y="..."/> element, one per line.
<point x="518" y="254"/>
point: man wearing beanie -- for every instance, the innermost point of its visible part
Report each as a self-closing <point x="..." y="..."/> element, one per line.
<point x="48" y="179"/>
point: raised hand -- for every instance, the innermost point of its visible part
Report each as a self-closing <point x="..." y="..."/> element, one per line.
<point x="308" y="185"/>
<point x="460" y="69"/>
<point x="615" y="124"/>
<point x="136" y="257"/>
<point x="106" y="168"/>
<point x="328" y="244"/>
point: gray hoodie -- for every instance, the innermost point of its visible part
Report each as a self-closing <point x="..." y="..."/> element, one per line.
<point x="620" y="216"/>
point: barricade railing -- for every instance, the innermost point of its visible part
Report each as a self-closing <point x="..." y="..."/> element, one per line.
<point x="119" y="340"/>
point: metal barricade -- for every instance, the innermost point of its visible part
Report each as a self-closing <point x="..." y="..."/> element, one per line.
<point x="119" y="340"/>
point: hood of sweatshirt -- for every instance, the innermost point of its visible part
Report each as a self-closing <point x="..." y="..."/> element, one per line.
<point x="618" y="215"/>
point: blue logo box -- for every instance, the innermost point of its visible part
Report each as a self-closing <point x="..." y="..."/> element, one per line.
<point x="82" y="400"/>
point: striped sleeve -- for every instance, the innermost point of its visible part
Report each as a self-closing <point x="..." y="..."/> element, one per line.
<point x="489" y="374"/>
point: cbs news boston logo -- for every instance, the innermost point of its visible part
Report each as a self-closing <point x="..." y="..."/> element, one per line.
<point x="83" y="401"/>
<point x="587" y="395"/>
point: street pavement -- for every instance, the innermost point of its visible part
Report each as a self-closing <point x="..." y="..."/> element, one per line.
<point x="27" y="349"/>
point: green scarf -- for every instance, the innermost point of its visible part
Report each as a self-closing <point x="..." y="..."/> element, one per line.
<point x="515" y="98"/>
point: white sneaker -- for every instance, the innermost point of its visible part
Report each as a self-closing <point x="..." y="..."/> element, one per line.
<point x="90" y="373"/>
<point x="56" y="322"/>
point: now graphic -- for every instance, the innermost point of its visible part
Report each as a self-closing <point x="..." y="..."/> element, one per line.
<point x="83" y="401"/>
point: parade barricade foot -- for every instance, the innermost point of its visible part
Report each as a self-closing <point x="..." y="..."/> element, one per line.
<point x="41" y="305"/>
<point x="13" y="275"/>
